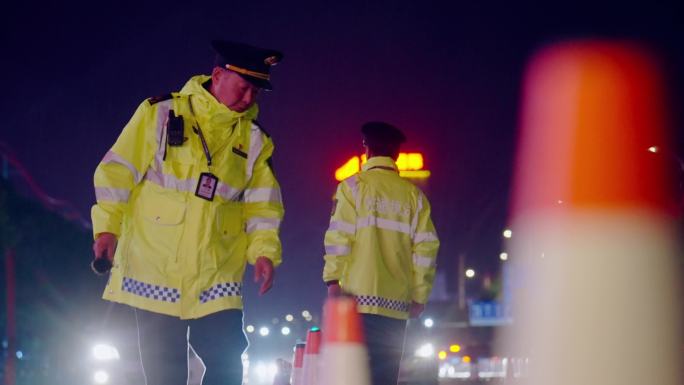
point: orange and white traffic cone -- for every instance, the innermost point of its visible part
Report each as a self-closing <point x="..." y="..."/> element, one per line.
<point x="593" y="241"/>
<point x="344" y="356"/>
<point x="310" y="367"/>
<point x="298" y="364"/>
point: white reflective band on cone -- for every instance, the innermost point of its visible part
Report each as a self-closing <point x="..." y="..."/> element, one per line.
<point x="344" y="364"/>
<point x="297" y="376"/>
<point x="310" y="369"/>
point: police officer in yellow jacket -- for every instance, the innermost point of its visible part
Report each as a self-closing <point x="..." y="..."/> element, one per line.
<point x="381" y="248"/>
<point x="185" y="198"/>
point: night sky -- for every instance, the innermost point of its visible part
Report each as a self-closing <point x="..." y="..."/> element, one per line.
<point x="447" y="74"/>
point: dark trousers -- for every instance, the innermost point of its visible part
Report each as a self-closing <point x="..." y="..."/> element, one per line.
<point x="217" y="338"/>
<point x="385" y="342"/>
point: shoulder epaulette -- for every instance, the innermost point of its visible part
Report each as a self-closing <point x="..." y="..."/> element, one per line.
<point x="256" y="123"/>
<point x="156" y="99"/>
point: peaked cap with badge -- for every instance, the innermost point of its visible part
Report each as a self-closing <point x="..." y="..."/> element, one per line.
<point x="252" y="63"/>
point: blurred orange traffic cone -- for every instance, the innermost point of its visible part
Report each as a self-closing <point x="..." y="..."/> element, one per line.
<point x="298" y="361"/>
<point x="310" y="366"/>
<point x="344" y="356"/>
<point x="593" y="243"/>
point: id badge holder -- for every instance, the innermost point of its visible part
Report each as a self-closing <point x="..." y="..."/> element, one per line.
<point x="206" y="186"/>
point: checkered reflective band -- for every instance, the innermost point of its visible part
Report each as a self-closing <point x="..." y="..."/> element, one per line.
<point x="227" y="289"/>
<point x="391" y="304"/>
<point x="156" y="292"/>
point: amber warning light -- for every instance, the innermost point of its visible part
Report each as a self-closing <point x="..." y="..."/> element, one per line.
<point x="410" y="165"/>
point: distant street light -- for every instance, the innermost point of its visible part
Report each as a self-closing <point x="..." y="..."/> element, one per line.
<point x="470" y="273"/>
<point x="507" y="233"/>
<point x="264" y="331"/>
<point x="428" y="323"/>
<point x="503" y="256"/>
<point x="285" y="330"/>
<point x="289" y="318"/>
<point x="250" y="329"/>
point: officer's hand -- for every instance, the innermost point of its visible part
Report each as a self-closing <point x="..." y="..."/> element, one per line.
<point x="416" y="309"/>
<point x="334" y="290"/>
<point x="105" y="246"/>
<point x="263" y="268"/>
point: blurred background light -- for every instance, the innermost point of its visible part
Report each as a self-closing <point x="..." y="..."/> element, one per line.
<point x="425" y="351"/>
<point x="105" y="352"/>
<point x="101" y="377"/>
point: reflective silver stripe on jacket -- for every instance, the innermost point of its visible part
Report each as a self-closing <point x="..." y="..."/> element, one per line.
<point x="337" y="250"/>
<point x="227" y="192"/>
<point x="256" y="142"/>
<point x="382" y="223"/>
<point x="354" y="187"/>
<point x="424" y="237"/>
<point x="113" y="158"/>
<point x="253" y="195"/>
<point x="256" y="223"/>
<point x="423" y="261"/>
<point x="107" y="194"/>
<point x="342" y="226"/>
<point x="162" y="121"/>
<point x="419" y="208"/>
<point x="170" y="181"/>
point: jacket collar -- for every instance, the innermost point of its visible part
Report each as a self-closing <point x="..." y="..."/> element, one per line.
<point x="380" y="162"/>
<point x="205" y="104"/>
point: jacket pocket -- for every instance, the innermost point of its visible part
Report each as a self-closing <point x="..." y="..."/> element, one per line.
<point x="157" y="231"/>
<point x="228" y="252"/>
<point x="163" y="212"/>
<point x="229" y="220"/>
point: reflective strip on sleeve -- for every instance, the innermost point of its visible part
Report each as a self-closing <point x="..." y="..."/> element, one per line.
<point x="255" y="224"/>
<point x="253" y="195"/>
<point x="424" y="237"/>
<point x="385" y="224"/>
<point x="337" y="250"/>
<point x="113" y="158"/>
<point x="256" y="143"/>
<point x="422" y="261"/>
<point x="106" y="194"/>
<point x="342" y="226"/>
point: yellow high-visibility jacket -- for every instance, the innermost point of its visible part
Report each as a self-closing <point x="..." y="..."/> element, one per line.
<point x="381" y="244"/>
<point x="179" y="254"/>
